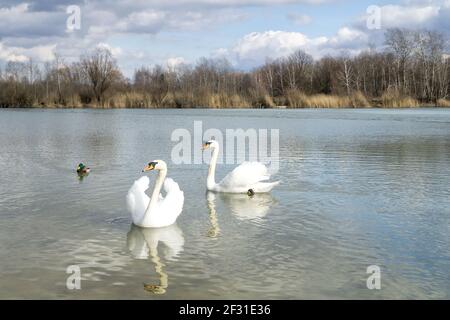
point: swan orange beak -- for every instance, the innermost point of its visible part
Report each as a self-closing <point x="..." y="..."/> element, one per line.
<point x="205" y="146"/>
<point x="149" y="167"/>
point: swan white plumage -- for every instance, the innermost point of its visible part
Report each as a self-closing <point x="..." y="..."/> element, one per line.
<point x="247" y="177"/>
<point x="157" y="211"/>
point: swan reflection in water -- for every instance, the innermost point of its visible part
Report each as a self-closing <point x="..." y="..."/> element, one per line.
<point x="242" y="206"/>
<point x="214" y="231"/>
<point x="143" y="242"/>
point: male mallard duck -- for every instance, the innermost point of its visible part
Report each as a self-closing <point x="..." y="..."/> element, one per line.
<point x="82" y="169"/>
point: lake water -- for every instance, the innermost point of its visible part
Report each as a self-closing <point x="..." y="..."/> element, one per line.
<point x="359" y="188"/>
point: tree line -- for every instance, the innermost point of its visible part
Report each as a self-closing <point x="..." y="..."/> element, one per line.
<point x="411" y="70"/>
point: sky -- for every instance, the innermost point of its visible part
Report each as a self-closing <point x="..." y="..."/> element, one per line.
<point x="175" y="32"/>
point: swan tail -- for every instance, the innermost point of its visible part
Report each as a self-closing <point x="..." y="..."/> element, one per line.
<point x="247" y="173"/>
<point x="264" y="187"/>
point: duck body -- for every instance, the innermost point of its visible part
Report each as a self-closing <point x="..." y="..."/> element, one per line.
<point x="82" y="169"/>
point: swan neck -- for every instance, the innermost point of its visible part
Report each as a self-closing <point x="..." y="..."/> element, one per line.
<point x="156" y="191"/>
<point x="211" y="180"/>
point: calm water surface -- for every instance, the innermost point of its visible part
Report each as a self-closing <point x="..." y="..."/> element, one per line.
<point x="359" y="188"/>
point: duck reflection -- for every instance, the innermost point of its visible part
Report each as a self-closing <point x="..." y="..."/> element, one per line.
<point x="143" y="242"/>
<point x="243" y="206"/>
<point x="81" y="176"/>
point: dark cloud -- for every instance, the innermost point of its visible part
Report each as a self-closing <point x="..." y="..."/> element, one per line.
<point x="20" y="21"/>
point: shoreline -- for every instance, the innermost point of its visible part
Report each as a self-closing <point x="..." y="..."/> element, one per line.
<point x="296" y="101"/>
<point x="88" y="107"/>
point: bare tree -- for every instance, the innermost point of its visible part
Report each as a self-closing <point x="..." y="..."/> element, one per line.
<point x="346" y="74"/>
<point x="101" y="70"/>
<point x="401" y="42"/>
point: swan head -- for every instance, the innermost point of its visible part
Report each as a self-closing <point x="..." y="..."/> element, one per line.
<point x="155" y="165"/>
<point x="210" y="144"/>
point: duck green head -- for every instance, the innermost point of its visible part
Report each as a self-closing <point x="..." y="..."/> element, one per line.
<point x="81" y="167"/>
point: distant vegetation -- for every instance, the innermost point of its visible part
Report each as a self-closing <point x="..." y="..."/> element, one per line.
<point x="412" y="71"/>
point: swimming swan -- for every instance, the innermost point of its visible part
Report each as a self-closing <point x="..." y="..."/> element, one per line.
<point x="247" y="178"/>
<point x="157" y="211"/>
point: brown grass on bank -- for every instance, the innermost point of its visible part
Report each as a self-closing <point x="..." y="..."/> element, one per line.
<point x="443" y="103"/>
<point x="297" y="99"/>
<point x="72" y="101"/>
<point x="256" y="99"/>
<point x="359" y="100"/>
<point x="225" y="101"/>
<point x="392" y="98"/>
<point x="253" y="99"/>
<point x="129" y="100"/>
<point x="176" y="99"/>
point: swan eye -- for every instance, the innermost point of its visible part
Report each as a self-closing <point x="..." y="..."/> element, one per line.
<point x="206" y="145"/>
<point x="150" y="166"/>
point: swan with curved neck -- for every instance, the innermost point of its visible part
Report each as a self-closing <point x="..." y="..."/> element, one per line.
<point x="157" y="211"/>
<point x="248" y="177"/>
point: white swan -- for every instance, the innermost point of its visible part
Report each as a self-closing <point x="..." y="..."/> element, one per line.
<point x="157" y="211"/>
<point x="248" y="177"/>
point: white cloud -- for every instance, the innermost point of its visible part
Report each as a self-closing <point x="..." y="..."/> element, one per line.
<point x="413" y="15"/>
<point x="174" y="63"/>
<point x="17" y="54"/>
<point x="115" y="51"/>
<point x="348" y="38"/>
<point x="42" y="53"/>
<point x="255" y="48"/>
<point x="299" y="19"/>
<point x="149" y="21"/>
<point x="401" y="16"/>
<point x="11" y="54"/>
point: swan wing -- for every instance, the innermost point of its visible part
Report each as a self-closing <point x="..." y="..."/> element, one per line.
<point x="174" y="199"/>
<point x="244" y="175"/>
<point x="137" y="200"/>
